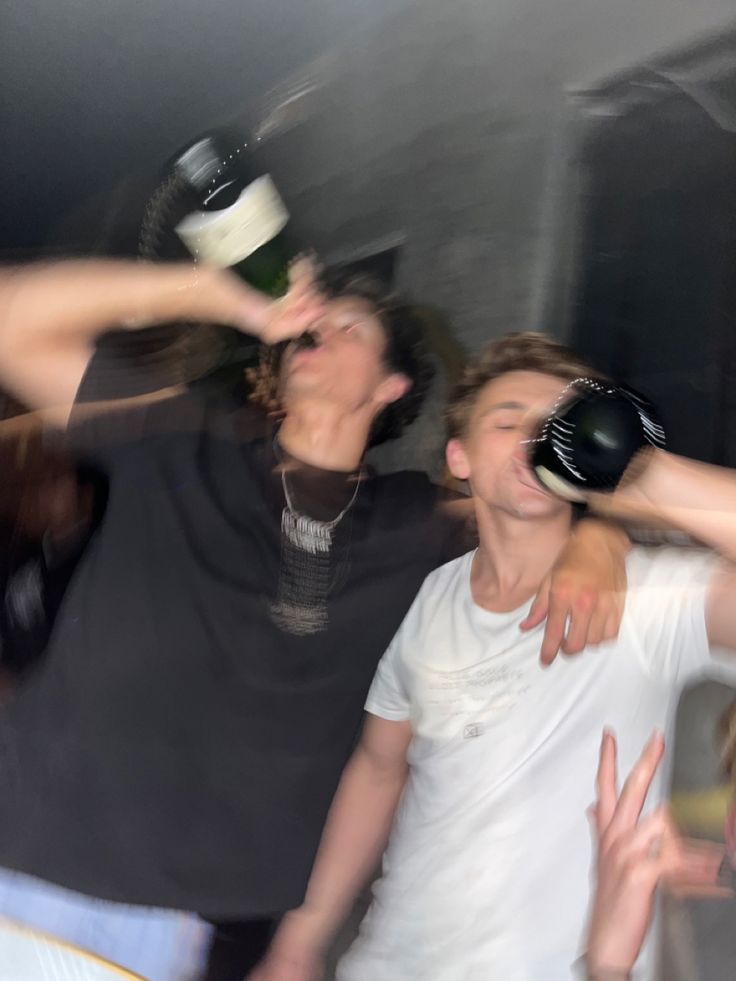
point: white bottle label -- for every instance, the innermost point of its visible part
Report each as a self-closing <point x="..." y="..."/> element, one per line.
<point x="223" y="238"/>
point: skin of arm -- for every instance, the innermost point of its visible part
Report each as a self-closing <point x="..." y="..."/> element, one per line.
<point x="354" y="837"/>
<point x="695" y="498"/>
<point x="52" y="313"/>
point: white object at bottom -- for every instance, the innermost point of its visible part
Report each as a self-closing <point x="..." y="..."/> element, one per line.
<point x="48" y="933"/>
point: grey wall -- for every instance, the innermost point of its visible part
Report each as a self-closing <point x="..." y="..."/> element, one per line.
<point x="446" y="123"/>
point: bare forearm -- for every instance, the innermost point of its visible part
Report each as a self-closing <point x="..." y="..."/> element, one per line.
<point x="82" y="298"/>
<point x="52" y="313"/>
<point x="354" y="838"/>
<point x="695" y="498"/>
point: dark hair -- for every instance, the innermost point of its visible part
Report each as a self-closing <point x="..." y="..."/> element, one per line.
<point x="407" y="350"/>
<point x="522" y="351"/>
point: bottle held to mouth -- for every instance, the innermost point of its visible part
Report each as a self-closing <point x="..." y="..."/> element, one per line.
<point x="237" y="219"/>
<point x="588" y="442"/>
<point x="306" y="341"/>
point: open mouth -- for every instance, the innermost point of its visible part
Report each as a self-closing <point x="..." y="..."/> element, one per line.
<point x="525" y="477"/>
<point x="303" y="348"/>
<point x="307" y="341"/>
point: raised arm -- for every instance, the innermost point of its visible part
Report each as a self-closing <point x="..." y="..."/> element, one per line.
<point x="52" y="313"/>
<point x="355" y="835"/>
<point x="697" y="499"/>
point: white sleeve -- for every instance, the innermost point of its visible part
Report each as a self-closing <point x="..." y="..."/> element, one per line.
<point x="665" y="607"/>
<point x="388" y="697"/>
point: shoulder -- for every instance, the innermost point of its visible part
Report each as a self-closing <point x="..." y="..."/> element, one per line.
<point x="445" y="584"/>
<point x="669" y="565"/>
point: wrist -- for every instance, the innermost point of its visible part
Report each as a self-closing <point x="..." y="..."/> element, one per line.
<point x="602" y="531"/>
<point x="307" y="927"/>
<point x="639" y="495"/>
<point x="588" y="970"/>
<point x="212" y="295"/>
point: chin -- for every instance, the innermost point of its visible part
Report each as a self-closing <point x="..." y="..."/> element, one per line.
<point x="539" y="505"/>
<point x="300" y="383"/>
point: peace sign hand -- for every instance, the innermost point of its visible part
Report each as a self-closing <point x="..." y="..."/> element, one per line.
<point x="634" y="857"/>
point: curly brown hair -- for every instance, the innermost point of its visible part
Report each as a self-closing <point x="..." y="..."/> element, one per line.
<point x="407" y="352"/>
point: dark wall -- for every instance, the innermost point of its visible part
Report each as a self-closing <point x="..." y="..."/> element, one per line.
<point x="656" y="291"/>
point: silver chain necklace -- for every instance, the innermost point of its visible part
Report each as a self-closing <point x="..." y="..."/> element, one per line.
<point x="306" y="569"/>
<point x="310" y="534"/>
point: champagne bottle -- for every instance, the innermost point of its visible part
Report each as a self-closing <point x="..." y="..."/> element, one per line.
<point x="238" y="219"/>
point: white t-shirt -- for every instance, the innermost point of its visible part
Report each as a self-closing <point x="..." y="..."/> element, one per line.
<point x="487" y="874"/>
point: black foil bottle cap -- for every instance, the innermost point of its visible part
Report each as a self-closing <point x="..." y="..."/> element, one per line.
<point x="200" y="163"/>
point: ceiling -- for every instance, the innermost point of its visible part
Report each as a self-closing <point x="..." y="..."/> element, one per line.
<point x="95" y="89"/>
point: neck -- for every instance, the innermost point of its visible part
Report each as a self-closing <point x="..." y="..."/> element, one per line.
<point x="514" y="555"/>
<point x="324" y="436"/>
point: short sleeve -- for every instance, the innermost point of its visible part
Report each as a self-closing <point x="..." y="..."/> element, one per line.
<point x="388" y="697"/>
<point x="665" y="608"/>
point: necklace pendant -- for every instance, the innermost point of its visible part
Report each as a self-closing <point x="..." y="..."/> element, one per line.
<point x="307" y="534"/>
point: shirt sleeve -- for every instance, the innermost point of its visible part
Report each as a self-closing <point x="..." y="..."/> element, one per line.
<point x="665" y="605"/>
<point x="388" y="697"/>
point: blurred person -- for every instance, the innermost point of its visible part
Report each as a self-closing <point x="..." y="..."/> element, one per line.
<point x="59" y="508"/>
<point x="178" y="748"/>
<point x="726" y="735"/>
<point x="476" y="764"/>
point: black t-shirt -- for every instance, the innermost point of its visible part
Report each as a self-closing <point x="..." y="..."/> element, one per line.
<point x="176" y="747"/>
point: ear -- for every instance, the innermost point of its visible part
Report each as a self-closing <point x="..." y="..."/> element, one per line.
<point x="457" y="460"/>
<point x="392" y="388"/>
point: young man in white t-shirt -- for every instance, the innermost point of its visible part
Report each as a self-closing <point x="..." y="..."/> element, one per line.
<point x="489" y="757"/>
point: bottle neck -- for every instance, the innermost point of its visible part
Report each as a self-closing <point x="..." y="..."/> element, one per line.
<point x="229" y="235"/>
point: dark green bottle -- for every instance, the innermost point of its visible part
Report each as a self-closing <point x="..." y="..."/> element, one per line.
<point x="238" y="219"/>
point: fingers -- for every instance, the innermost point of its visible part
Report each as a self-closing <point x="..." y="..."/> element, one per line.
<point x="637" y="785"/>
<point x="295" y="313"/>
<point x="692" y="862"/>
<point x="554" y="631"/>
<point x="606" y="620"/>
<point x="538" y="610"/>
<point x="577" y="617"/>
<point x="574" y="620"/>
<point x="580" y="613"/>
<point x="612" y="623"/>
<point x="303" y="271"/>
<point x="654" y="854"/>
<point x="606" y="783"/>
<point x="653" y="841"/>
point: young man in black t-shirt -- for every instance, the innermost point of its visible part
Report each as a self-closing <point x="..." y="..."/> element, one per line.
<point x="179" y="746"/>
